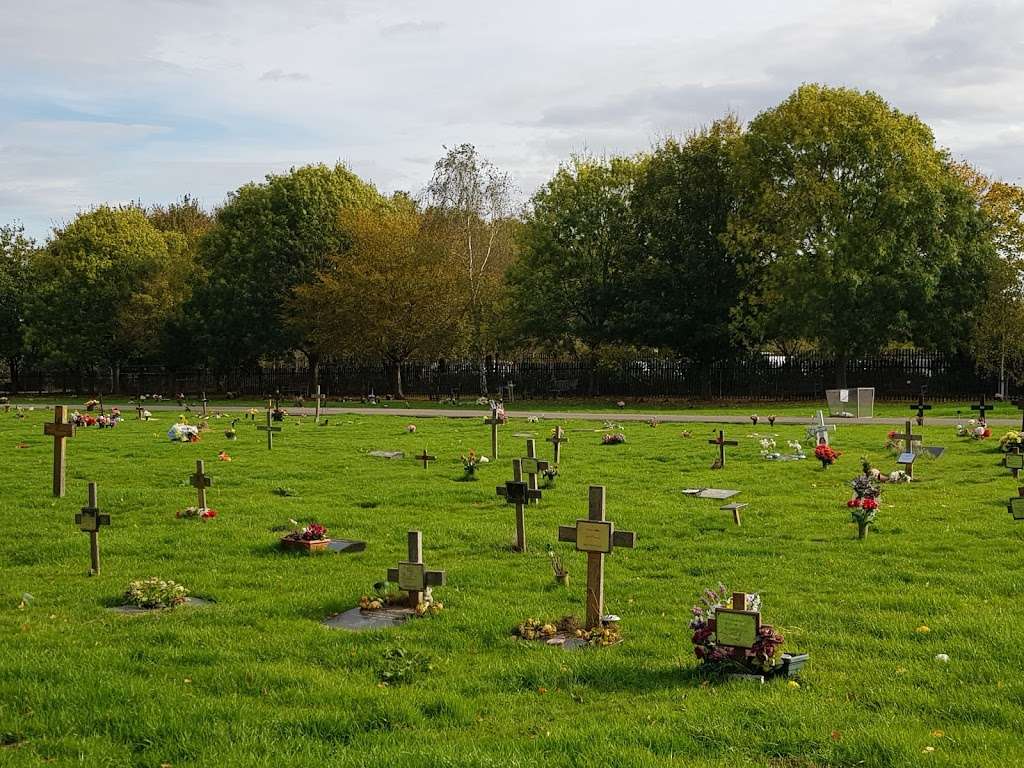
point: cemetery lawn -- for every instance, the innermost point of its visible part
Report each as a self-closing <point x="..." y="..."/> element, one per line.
<point x="255" y="680"/>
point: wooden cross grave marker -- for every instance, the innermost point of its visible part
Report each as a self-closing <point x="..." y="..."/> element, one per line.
<point x="920" y="406"/>
<point x="319" y="400"/>
<point x="103" y="411"/>
<point x="532" y="467"/>
<point x="516" y="491"/>
<point x="820" y="430"/>
<point x="426" y="458"/>
<point x="494" y="422"/>
<point x="597" y="537"/>
<point x="412" y="575"/>
<point x="60" y="430"/>
<point x="1014" y="461"/>
<point x="910" y="452"/>
<point x="205" y="401"/>
<point x="270" y="430"/>
<point x="557" y="438"/>
<point x="736" y="627"/>
<point x="200" y="481"/>
<point x="982" y="407"/>
<point x="89" y="521"/>
<point x="721" y="442"/>
<point x="140" y="409"/>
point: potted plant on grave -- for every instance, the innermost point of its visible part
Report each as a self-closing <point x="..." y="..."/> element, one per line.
<point x="558" y="566"/>
<point x="470" y="462"/>
<point x="762" y="658"/>
<point x="827" y="455"/>
<point x="867" y="489"/>
<point x="863" y="512"/>
<point x="310" y="538"/>
<point x="155" y="593"/>
<point x="230" y="432"/>
<point x="1011" y="441"/>
<point x="278" y="413"/>
<point x="613" y="438"/>
<point x="550" y="475"/>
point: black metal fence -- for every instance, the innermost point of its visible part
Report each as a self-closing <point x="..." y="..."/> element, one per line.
<point x="895" y="375"/>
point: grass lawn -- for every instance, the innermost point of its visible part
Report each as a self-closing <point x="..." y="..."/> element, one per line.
<point x="256" y="680"/>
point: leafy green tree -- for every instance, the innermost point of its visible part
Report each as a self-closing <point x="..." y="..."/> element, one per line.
<point x="577" y="247"/>
<point x="16" y="252"/>
<point x="266" y="241"/>
<point x="390" y="295"/>
<point x="104" y="290"/>
<point x="843" y="228"/>
<point x="684" y="287"/>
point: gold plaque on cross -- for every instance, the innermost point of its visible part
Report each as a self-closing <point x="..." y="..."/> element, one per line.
<point x="412" y="577"/>
<point x="530" y="466"/>
<point x="1015" y="461"/>
<point x="87" y="521"/>
<point x="1017" y="508"/>
<point x="736" y="629"/>
<point x="592" y="536"/>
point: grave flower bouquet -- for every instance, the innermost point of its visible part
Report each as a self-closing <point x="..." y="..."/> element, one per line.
<point x="311" y="532"/>
<point x="568" y="627"/>
<point x="863" y="511"/>
<point x="230" y="432"/>
<point x="893" y="444"/>
<point x="155" y="593"/>
<point x="760" y="658"/>
<point x="183" y="433"/>
<point x="826" y="454"/>
<point x="558" y="566"/>
<point x="975" y="430"/>
<point x="550" y="475"/>
<point x="768" y="450"/>
<point x="203" y="513"/>
<point x="1010" y="441"/>
<point x="90" y="405"/>
<point x="613" y="438"/>
<point x="470" y="462"/>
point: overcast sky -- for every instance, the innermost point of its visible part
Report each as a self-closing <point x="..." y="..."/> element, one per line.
<point x="105" y="101"/>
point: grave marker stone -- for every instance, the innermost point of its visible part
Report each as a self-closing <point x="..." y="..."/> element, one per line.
<point x="412" y="575"/>
<point x="60" y="430"/>
<point x="516" y="491"/>
<point x="556" y="440"/>
<point x="200" y="481"/>
<point x="89" y="521"/>
<point x="597" y="537"/>
<point x="270" y="430"/>
<point x="721" y="442"/>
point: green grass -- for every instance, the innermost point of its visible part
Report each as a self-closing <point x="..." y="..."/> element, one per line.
<point x="256" y="680"/>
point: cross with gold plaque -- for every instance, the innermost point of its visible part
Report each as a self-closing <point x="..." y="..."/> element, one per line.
<point x="517" y="491"/>
<point x="532" y="467"/>
<point x="597" y="537"/>
<point x="89" y="521"/>
<point x="412" y="575"/>
<point x="60" y="430"/>
<point x="737" y="628"/>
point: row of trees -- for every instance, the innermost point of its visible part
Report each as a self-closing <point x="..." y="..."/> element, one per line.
<point x="830" y="222"/>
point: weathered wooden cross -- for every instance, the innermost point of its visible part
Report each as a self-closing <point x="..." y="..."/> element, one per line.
<point x="516" y="491"/>
<point x="103" y="411"/>
<point x="557" y="438"/>
<point x="532" y="467"/>
<point x="140" y="409"/>
<point x="909" y="438"/>
<point x="737" y="628"/>
<point x="60" y="430"/>
<point x="89" y="521"/>
<point x="412" y="575"/>
<point x="200" y="481"/>
<point x="920" y="406"/>
<point x="1014" y="461"/>
<point x="270" y="430"/>
<point x="494" y="422"/>
<point x="319" y="400"/>
<point x="721" y="442"/>
<point x="982" y="407"/>
<point x="597" y="537"/>
<point x="426" y="458"/>
<point x="205" y="401"/>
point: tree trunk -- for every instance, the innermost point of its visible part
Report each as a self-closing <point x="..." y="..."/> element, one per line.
<point x="484" y="362"/>
<point x="842" y="360"/>
<point x="314" y="371"/>
<point x="395" y="374"/>
<point x="115" y="377"/>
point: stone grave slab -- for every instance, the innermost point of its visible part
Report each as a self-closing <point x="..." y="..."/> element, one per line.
<point x="388" y="454"/>
<point x="358" y="620"/>
<point x="134" y="610"/>
<point x="719" y="494"/>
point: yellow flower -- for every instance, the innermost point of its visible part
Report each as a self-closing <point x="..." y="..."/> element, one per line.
<point x="937" y="734"/>
<point x="927" y="750"/>
<point x="793" y="684"/>
<point x="923" y="629"/>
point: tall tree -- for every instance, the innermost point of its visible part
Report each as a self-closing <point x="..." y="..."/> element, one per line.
<point x="684" y="287"/>
<point x="16" y="251"/>
<point x="578" y="247"/>
<point x="473" y="201"/>
<point x="267" y="240"/>
<point x="389" y="295"/>
<point x="104" y="289"/>
<point x="843" y="226"/>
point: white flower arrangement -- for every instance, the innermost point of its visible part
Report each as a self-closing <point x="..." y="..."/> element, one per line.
<point x="183" y="433"/>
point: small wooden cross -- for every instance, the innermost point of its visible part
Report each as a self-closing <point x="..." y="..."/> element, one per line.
<point x="982" y="407"/>
<point x="426" y="458"/>
<point x="517" y="492"/>
<point x="412" y="575"/>
<point x="1019" y="402"/>
<point x="920" y="406"/>
<point x="200" y="481"/>
<point x="103" y="411"/>
<point x="270" y="430"/>
<point x="721" y="442"/>
<point x="60" y="430"/>
<point x="909" y="438"/>
<point x="532" y="467"/>
<point x="597" y="537"/>
<point x="556" y="440"/>
<point x="319" y="399"/>
<point x="89" y="521"/>
<point x="140" y="409"/>
<point x="205" y="401"/>
<point x="736" y="627"/>
<point x="494" y="421"/>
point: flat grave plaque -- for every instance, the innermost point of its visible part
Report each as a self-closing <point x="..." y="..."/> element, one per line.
<point x="719" y="494"/>
<point x="934" y="451"/>
<point x="358" y="620"/>
<point x="388" y="454"/>
<point x="906" y="458"/>
<point x="134" y="610"/>
<point x="346" y="545"/>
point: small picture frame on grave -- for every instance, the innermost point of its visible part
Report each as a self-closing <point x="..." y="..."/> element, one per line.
<point x="736" y="629"/>
<point x="412" y="577"/>
<point x="594" y="536"/>
<point x="1015" y="461"/>
<point x="1016" y="508"/>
